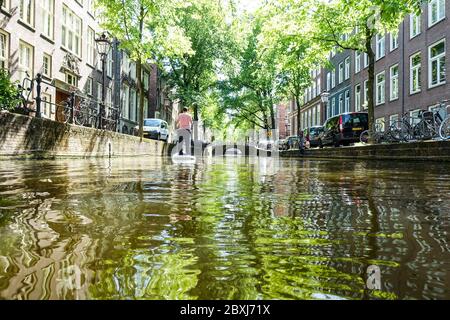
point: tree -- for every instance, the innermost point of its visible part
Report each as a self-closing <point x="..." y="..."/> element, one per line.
<point x="353" y="25"/>
<point x="193" y="75"/>
<point x="295" y="56"/>
<point x="145" y="29"/>
<point x="9" y="91"/>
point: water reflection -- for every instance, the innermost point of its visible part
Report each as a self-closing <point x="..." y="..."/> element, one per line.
<point x="224" y="228"/>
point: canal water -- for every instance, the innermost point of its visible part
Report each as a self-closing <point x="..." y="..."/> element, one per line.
<point x="224" y="228"/>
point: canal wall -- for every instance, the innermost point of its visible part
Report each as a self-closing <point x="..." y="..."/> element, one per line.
<point x="23" y="136"/>
<point x="414" y="151"/>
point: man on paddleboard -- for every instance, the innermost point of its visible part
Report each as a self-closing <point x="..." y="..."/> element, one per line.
<point x="184" y="125"/>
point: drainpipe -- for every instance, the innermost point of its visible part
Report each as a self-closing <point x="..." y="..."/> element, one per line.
<point x="403" y="69"/>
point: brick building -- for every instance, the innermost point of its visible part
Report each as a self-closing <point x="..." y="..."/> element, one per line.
<point x="57" y="39"/>
<point x="410" y="72"/>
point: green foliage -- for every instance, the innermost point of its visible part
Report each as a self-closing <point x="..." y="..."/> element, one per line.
<point x="9" y="91"/>
<point x="194" y="75"/>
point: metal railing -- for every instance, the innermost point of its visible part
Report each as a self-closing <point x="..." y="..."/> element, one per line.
<point x="78" y="108"/>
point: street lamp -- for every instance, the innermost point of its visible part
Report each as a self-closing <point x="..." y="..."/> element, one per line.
<point x="103" y="47"/>
<point x="325" y="97"/>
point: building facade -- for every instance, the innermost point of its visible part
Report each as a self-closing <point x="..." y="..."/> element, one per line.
<point x="57" y="40"/>
<point x="410" y="71"/>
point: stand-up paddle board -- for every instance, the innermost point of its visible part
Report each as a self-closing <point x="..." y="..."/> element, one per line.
<point x="183" y="159"/>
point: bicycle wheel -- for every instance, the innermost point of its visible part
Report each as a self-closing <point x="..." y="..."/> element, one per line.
<point x="364" y="137"/>
<point x="398" y="131"/>
<point x="444" y="130"/>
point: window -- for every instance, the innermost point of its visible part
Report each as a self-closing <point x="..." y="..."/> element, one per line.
<point x="319" y="86"/>
<point x="90" y="6"/>
<point x="109" y="64"/>
<point x="415" y="25"/>
<point x="46" y="101"/>
<point x="436" y="64"/>
<point x="366" y="94"/>
<point x="341" y="103"/>
<point x="415" y="73"/>
<point x="328" y="81"/>
<point x="91" y="50"/>
<point x="125" y="101"/>
<point x="347" y="101"/>
<point x="357" y="61"/>
<point x="358" y="97"/>
<point x="89" y="88"/>
<point x="26" y="61"/>
<point x="347" y="68"/>
<point x="4" y="50"/>
<point x="108" y="102"/>
<point x="125" y="67"/>
<point x="414" y="116"/>
<point x="380" y="52"/>
<point x="341" y="72"/>
<point x="436" y="11"/>
<point x="26" y="8"/>
<point x="48" y="17"/>
<point x="71" y="79"/>
<point x="393" y="119"/>
<point x="6" y="5"/>
<point x="71" y="31"/>
<point x="380" y="125"/>
<point x="99" y="94"/>
<point x="47" y="65"/>
<point x="394" y="87"/>
<point x="133" y="71"/>
<point x="394" y="41"/>
<point x="366" y="60"/>
<point x="132" y="105"/>
<point x="380" y="91"/>
<point x="333" y="79"/>
<point x="333" y="107"/>
<point x="145" y="77"/>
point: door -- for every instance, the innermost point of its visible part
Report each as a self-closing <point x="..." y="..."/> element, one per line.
<point x="61" y="103"/>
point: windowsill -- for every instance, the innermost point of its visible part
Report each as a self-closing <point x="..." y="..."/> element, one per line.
<point x="45" y="77"/>
<point x="392" y="50"/>
<point x="378" y="59"/>
<point x="90" y="65"/>
<point x="436" y="23"/>
<point x="43" y="36"/>
<point x="414" y="93"/>
<point x="380" y="104"/>
<point x="436" y="85"/>
<point x="26" y="25"/>
<point x="6" y="12"/>
<point x="393" y="99"/>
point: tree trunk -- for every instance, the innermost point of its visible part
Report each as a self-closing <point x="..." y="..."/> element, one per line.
<point x="299" y="120"/>
<point x="140" y="85"/>
<point x="370" y="83"/>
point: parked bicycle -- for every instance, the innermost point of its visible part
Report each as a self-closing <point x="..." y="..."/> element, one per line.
<point x="444" y="128"/>
<point x="379" y="135"/>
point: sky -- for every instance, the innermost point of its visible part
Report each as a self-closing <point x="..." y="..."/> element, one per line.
<point x="249" y="5"/>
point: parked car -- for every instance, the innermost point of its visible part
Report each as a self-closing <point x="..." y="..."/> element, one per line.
<point x="266" y="145"/>
<point x="292" y="142"/>
<point x="155" y="129"/>
<point x="312" y="135"/>
<point x="344" y="129"/>
<point x="281" y="144"/>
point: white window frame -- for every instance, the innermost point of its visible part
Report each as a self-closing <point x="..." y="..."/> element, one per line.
<point x="380" y="88"/>
<point x="394" y="38"/>
<point x="392" y="119"/>
<point x="357" y="61"/>
<point x="6" y="5"/>
<point x="126" y="101"/>
<point x="439" y="62"/>
<point x="415" y="70"/>
<point x="366" y="94"/>
<point x="26" y="10"/>
<point x="415" y="25"/>
<point x="394" y="83"/>
<point x="89" y="86"/>
<point x="380" y="46"/>
<point x="91" y="52"/>
<point x="341" y="103"/>
<point x="49" y="72"/>
<point x="4" y="50"/>
<point x="22" y="67"/>
<point x="333" y="79"/>
<point x="71" y="31"/>
<point x="341" y="73"/>
<point x="440" y="14"/>
<point x="358" y="104"/>
<point x="347" y="68"/>
<point x="48" y="18"/>
<point x="366" y="60"/>
<point x="347" y="101"/>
